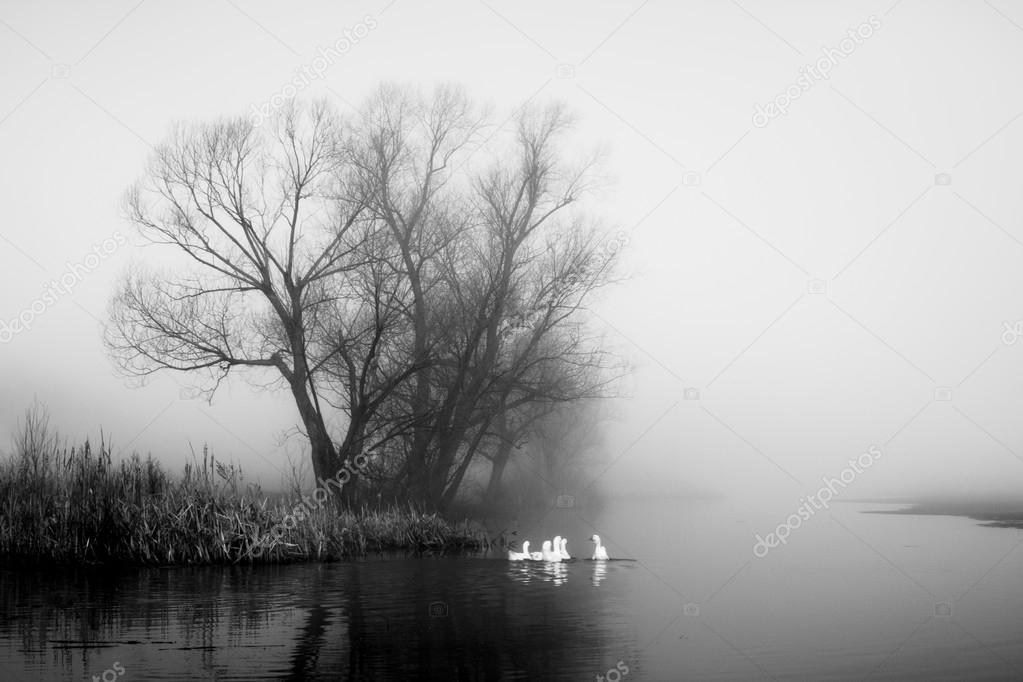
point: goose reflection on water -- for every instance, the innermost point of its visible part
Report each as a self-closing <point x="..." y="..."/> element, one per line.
<point x="551" y="572"/>
<point x="599" y="572"/>
<point x="556" y="573"/>
<point x="521" y="573"/>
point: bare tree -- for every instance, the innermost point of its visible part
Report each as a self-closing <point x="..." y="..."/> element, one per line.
<point x="274" y="232"/>
<point x="410" y="145"/>
<point x="403" y="299"/>
<point x="503" y="245"/>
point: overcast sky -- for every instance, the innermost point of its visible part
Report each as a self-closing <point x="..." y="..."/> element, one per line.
<point x="840" y="274"/>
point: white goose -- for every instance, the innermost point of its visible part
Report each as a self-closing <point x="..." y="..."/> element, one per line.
<point x="599" y="551"/>
<point x="549" y="555"/>
<point x="536" y="556"/>
<point x="520" y="556"/>
<point x="565" y="556"/>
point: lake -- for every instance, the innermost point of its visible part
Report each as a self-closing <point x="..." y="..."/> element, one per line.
<point x="850" y="595"/>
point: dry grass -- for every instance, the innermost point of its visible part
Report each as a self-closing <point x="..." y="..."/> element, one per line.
<point x="75" y="505"/>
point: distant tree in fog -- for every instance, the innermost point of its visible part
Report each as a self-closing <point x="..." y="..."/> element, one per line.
<point x="499" y="266"/>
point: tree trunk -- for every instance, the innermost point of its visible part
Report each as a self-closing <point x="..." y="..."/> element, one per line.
<point x="438" y="473"/>
<point x="422" y="432"/>
<point x="501" y="458"/>
<point x="349" y="450"/>
<point x="451" y="491"/>
<point x="324" y="456"/>
<point x="418" y="484"/>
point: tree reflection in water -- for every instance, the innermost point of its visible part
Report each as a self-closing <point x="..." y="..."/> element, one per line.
<point x="390" y="618"/>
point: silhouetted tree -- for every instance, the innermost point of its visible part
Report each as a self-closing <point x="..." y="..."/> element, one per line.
<point x="393" y="289"/>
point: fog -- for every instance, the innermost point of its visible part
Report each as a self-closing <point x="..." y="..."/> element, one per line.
<point x="801" y="287"/>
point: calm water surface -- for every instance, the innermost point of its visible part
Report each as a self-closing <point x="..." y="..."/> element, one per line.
<point x="850" y="596"/>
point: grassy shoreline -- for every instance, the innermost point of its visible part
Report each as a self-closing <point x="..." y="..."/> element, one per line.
<point x="996" y="513"/>
<point x="62" y="505"/>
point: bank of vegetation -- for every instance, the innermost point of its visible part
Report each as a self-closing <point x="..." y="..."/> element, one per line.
<point x="63" y="504"/>
<point x="416" y="277"/>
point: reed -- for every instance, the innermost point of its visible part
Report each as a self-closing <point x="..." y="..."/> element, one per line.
<point x="62" y="504"/>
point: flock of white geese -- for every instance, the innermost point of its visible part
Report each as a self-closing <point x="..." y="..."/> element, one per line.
<point x="556" y="550"/>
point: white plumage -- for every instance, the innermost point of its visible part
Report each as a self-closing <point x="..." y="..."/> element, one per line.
<point x="599" y="551"/>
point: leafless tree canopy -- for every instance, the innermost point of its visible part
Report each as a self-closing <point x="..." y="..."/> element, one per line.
<point x="416" y="291"/>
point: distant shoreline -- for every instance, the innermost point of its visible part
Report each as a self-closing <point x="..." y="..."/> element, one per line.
<point x="997" y="513"/>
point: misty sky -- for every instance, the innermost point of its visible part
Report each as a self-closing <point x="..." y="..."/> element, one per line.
<point x="845" y="274"/>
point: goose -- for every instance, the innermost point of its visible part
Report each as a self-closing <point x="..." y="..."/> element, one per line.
<point x="556" y="545"/>
<point x="599" y="551"/>
<point x="536" y="556"/>
<point x="549" y="555"/>
<point x="565" y="556"/>
<point x="520" y="556"/>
